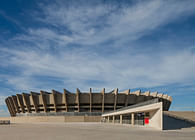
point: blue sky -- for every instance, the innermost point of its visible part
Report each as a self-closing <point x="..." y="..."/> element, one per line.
<point x="147" y="45"/>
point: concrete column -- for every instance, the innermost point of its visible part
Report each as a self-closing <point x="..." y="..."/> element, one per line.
<point x="26" y="101"/>
<point x="21" y="104"/>
<point x="65" y="99"/>
<point x="103" y="93"/>
<point x="127" y="94"/>
<point x="43" y="97"/>
<point x="14" y="99"/>
<point x="115" y="98"/>
<point x="90" y="100"/>
<point x="78" y="99"/>
<point x="132" y="119"/>
<point x="108" y="119"/>
<point x="34" y="98"/>
<point x="113" y="119"/>
<point x="121" y="119"/>
<point x="54" y="99"/>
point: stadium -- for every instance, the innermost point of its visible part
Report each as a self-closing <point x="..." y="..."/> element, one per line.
<point x="79" y="103"/>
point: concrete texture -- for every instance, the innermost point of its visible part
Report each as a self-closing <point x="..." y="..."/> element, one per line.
<point x="186" y="115"/>
<point x="172" y="122"/>
<point x="155" y="111"/>
<point x="85" y="131"/>
<point x="80" y="101"/>
<point x="52" y="119"/>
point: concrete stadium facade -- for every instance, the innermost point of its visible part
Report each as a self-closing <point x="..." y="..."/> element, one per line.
<point x="91" y="102"/>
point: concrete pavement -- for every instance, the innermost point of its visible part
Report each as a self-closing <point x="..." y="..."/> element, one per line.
<point x="84" y="131"/>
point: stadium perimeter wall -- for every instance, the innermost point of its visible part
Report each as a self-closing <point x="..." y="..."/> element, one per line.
<point x="35" y="119"/>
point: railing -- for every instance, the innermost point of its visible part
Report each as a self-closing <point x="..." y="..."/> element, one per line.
<point x="156" y="100"/>
<point x="62" y="114"/>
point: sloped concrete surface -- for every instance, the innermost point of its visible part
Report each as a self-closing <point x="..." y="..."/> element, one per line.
<point x="178" y="120"/>
<point x="187" y="115"/>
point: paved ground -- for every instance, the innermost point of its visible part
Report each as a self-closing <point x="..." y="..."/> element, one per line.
<point x="91" y="131"/>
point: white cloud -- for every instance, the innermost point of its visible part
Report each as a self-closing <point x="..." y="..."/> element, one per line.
<point x="77" y="69"/>
<point x="91" y="25"/>
<point x="44" y="53"/>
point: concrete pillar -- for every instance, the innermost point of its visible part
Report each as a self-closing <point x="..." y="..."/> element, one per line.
<point x="65" y="99"/>
<point x="90" y="100"/>
<point x="115" y="99"/>
<point x="132" y="119"/>
<point x="103" y="98"/>
<point x="113" y="119"/>
<point x="127" y="97"/>
<point x="54" y="94"/>
<point x="108" y="119"/>
<point x="121" y="119"/>
<point x="78" y="99"/>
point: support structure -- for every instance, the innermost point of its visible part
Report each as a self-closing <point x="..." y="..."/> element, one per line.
<point x="127" y="95"/>
<point x="113" y="119"/>
<point x="78" y="99"/>
<point x="94" y="102"/>
<point x="65" y="99"/>
<point x="21" y="103"/>
<point x="103" y="99"/>
<point x="115" y="98"/>
<point x="33" y="94"/>
<point x="26" y="101"/>
<point x="121" y="119"/>
<point x="43" y="95"/>
<point x="154" y="109"/>
<point x="54" y="100"/>
<point x="14" y="99"/>
<point x="9" y="107"/>
<point x="132" y="119"/>
<point x="90" y="100"/>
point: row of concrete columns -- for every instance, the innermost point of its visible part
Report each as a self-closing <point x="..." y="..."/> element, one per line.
<point x="121" y="118"/>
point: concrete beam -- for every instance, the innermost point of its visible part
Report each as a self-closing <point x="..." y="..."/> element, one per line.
<point x="132" y="119"/>
<point x="43" y="97"/>
<point x="103" y="99"/>
<point x="77" y="99"/>
<point x="138" y="92"/>
<point x="12" y="105"/>
<point x="165" y="102"/>
<point x="121" y="119"/>
<point x="115" y="98"/>
<point x="9" y="107"/>
<point x="21" y="103"/>
<point x="136" y="95"/>
<point x="169" y="98"/>
<point x="65" y="99"/>
<point x="14" y="99"/>
<point x="26" y="101"/>
<point x="154" y="94"/>
<point x="90" y="100"/>
<point x="33" y="94"/>
<point x="54" y="100"/>
<point x="127" y="94"/>
<point x="147" y="93"/>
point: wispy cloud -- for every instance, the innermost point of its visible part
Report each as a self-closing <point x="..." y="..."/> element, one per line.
<point x="93" y="24"/>
<point x="77" y="68"/>
<point x="70" y="47"/>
